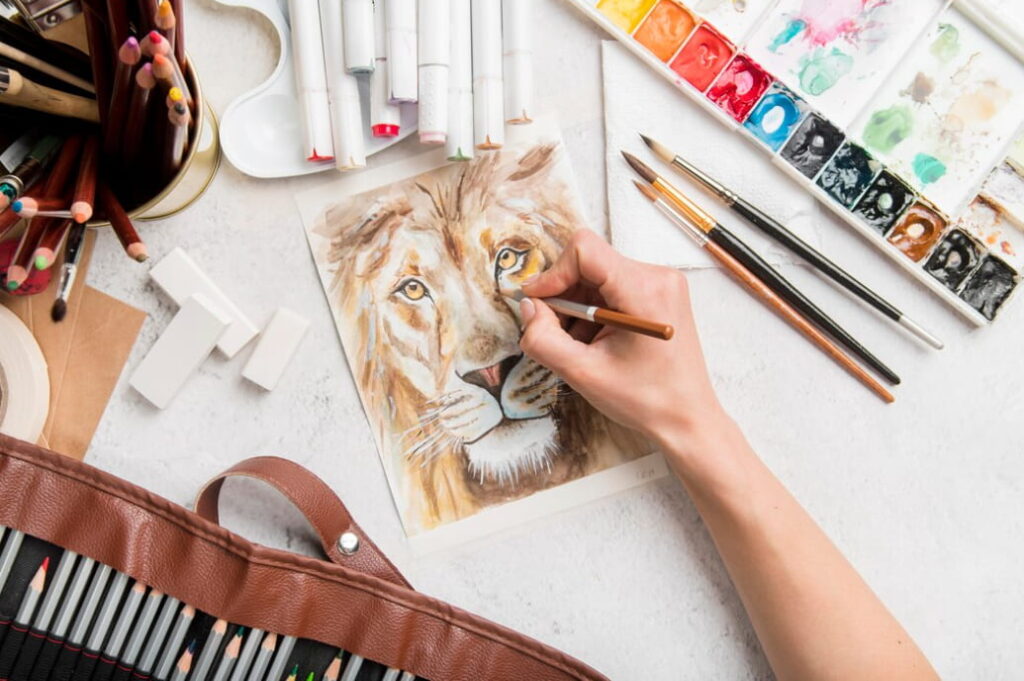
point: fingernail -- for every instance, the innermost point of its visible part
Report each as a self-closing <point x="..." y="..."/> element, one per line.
<point x="532" y="279"/>
<point x="527" y="310"/>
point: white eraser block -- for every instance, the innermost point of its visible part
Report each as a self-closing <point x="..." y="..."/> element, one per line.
<point x="179" y="350"/>
<point x="180" y="278"/>
<point x="277" y="344"/>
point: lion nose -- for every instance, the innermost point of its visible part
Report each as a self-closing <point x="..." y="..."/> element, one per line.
<point x="491" y="378"/>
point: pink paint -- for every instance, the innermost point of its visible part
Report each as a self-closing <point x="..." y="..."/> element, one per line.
<point x="739" y="87"/>
<point x="827" y="20"/>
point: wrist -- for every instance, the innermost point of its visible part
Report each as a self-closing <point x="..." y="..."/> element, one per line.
<point x="702" y="448"/>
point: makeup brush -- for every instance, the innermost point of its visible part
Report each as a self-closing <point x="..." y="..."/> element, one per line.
<point x="777" y="231"/>
<point x="600" y="315"/>
<point x="756" y="264"/>
<point x="769" y="297"/>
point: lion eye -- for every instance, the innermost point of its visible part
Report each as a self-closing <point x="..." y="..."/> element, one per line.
<point x="508" y="258"/>
<point x="413" y="289"/>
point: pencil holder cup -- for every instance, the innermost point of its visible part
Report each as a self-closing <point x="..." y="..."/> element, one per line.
<point x="197" y="169"/>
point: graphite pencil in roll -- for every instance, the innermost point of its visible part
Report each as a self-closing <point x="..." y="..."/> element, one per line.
<point x="459" y="144"/>
<point x="44" y="617"/>
<point x="284" y="652"/>
<point x="400" y="18"/>
<point x="342" y="90"/>
<point x="89" y="658"/>
<point x="68" y="657"/>
<point x="434" y="64"/>
<point x="174" y="641"/>
<point x="209" y="652"/>
<point x="311" y="76"/>
<point x="230" y="656"/>
<point x="518" y="56"/>
<point x="53" y="646"/>
<point x="139" y="630"/>
<point x="359" y="35"/>
<point x="184" y="665"/>
<point x="158" y="636"/>
<point x="488" y="98"/>
<point x="385" y="117"/>
<point x="262" y="661"/>
<point x="15" y="637"/>
<point x="112" y="648"/>
<point x="247" y="655"/>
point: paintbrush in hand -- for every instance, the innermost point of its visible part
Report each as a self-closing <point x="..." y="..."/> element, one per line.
<point x="758" y="287"/>
<point x="756" y="264"/>
<point x="600" y="315"/>
<point x="776" y="230"/>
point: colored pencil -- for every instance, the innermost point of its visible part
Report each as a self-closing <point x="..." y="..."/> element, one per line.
<point x="293" y="675"/>
<point x="210" y="648"/>
<point x="69" y="271"/>
<point x="49" y="245"/>
<point x="117" y="20"/>
<point x="122" y="224"/>
<point x="29" y="207"/>
<point x="18" y="629"/>
<point x="85" y="185"/>
<point x="334" y="668"/>
<point x="352" y="667"/>
<point x="29" y="650"/>
<point x="174" y="642"/>
<point x="284" y="651"/>
<point x="752" y="261"/>
<point x="135" y="125"/>
<point x="167" y="22"/>
<point x="67" y="660"/>
<point x="153" y="44"/>
<point x="138" y="636"/>
<point x="777" y="231"/>
<point x="128" y="56"/>
<point x="245" y="658"/>
<point x="459" y="143"/>
<point x="259" y="666"/>
<point x="125" y="619"/>
<point x="94" y="14"/>
<point x="89" y="658"/>
<point x="168" y="73"/>
<point x="179" y="34"/>
<point x="17" y="90"/>
<point x="54" y="647"/>
<point x="157" y="638"/>
<point x="488" y="95"/>
<point x="184" y="665"/>
<point x="764" y="292"/>
<point x="230" y="656"/>
<point x="175" y="141"/>
<point x="385" y="117"/>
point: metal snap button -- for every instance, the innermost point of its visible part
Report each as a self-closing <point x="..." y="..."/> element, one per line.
<point x="348" y="543"/>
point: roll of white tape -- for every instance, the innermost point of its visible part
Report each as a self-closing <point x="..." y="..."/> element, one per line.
<point x="24" y="383"/>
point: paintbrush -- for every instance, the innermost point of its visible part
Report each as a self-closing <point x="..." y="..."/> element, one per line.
<point x="600" y="315"/>
<point x="769" y="297"/>
<point x="777" y="231"/>
<point x="756" y="264"/>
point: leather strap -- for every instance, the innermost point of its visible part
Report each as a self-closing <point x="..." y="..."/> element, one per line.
<point x="321" y="506"/>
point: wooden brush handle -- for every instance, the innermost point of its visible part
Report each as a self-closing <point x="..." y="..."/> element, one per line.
<point x="797" y="320"/>
<point x="628" y="322"/>
<point x="29" y="95"/>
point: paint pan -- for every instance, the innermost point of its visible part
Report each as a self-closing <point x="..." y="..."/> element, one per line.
<point x="884" y="202"/>
<point x="665" y="29"/>
<point x="849" y="173"/>
<point x="626" y="14"/>
<point x="956" y="256"/>
<point x="703" y="57"/>
<point x="738" y="88"/>
<point x="918" y="231"/>
<point x="776" y="116"/>
<point x="989" y="287"/>
<point x="988" y="223"/>
<point x="812" y="145"/>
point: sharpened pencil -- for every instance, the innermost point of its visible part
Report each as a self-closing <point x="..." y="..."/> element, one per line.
<point x="121" y="224"/>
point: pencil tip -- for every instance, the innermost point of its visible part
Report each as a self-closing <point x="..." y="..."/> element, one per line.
<point x="58" y="311"/>
<point x="46" y="564"/>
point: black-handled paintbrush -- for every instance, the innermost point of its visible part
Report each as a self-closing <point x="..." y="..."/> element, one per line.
<point x="735" y="247"/>
<point x="794" y="243"/>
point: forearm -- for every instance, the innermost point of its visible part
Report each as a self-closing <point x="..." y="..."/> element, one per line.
<point x="814" y="615"/>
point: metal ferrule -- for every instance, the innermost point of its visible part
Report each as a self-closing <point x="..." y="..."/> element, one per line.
<point x="688" y="208"/>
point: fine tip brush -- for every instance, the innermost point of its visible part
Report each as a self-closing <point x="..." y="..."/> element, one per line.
<point x="599" y="315"/>
<point x="777" y="231"/>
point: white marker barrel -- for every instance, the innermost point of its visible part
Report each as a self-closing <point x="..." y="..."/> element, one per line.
<point x="488" y="98"/>
<point x="434" y="60"/>
<point x="401" y="49"/>
<point x="459" y="145"/>
<point x="358" y="35"/>
<point x="342" y="91"/>
<point x="518" y="76"/>
<point x="311" y="76"/>
<point x="385" y="117"/>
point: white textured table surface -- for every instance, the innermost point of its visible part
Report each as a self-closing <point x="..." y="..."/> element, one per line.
<point x="924" y="497"/>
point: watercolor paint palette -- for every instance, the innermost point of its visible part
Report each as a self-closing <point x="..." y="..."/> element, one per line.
<point x="896" y="114"/>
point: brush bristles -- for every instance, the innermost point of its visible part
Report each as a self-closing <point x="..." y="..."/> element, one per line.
<point x="659" y="149"/>
<point x="640" y="167"/>
<point x="646" y="190"/>
<point x="59" y="310"/>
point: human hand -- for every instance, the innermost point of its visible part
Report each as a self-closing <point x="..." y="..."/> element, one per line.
<point x="659" y="388"/>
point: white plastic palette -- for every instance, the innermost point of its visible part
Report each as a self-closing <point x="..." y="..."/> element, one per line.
<point x="261" y="131"/>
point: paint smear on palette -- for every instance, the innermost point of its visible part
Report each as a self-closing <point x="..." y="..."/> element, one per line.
<point x="665" y="29"/>
<point x="776" y="116"/>
<point x="944" y="117"/>
<point x="953" y="259"/>
<point x="884" y="202"/>
<point x="703" y="57"/>
<point x="739" y="87"/>
<point x="989" y="287"/>
<point x="1004" y="188"/>
<point x="625" y="14"/>
<point x="836" y="53"/>
<point x="988" y="224"/>
<point x="812" y="145"/>
<point x="918" y="231"/>
<point x="734" y="18"/>
<point x="849" y="173"/>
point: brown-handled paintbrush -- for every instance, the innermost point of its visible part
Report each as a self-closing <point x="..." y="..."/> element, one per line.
<point x="762" y="291"/>
<point x="600" y="315"/>
<point x="739" y="250"/>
